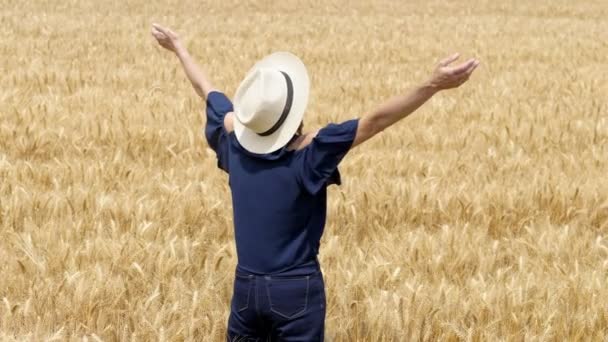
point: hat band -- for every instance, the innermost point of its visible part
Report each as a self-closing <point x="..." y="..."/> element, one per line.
<point x="286" y="109"/>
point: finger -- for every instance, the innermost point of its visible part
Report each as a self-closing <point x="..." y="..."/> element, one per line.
<point x="466" y="75"/>
<point x="171" y="34"/>
<point x="158" y="35"/>
<point x="462" y="68"/>
<point x="472" y="68"/>
<point x="446" y="61"/>
<point x="159" y="28"/>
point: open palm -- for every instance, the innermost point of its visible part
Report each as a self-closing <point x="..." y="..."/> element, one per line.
<point x="165" y="37"/>
<point x="447" y="76"/>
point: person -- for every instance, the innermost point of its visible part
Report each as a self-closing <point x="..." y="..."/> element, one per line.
<point x="278" y="178"/>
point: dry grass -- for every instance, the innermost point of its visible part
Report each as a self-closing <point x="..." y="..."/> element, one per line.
<point x="482" y="217"/>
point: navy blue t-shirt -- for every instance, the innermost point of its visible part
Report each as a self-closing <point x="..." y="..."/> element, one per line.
<point x="279" y="198"/>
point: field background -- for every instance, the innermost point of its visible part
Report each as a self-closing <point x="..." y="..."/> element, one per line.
<point x="482" y="217"/>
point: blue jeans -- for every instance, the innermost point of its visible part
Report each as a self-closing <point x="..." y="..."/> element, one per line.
<point x="288" y="306"/>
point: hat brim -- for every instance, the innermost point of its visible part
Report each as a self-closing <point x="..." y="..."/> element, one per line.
<point x="293" y="66"/>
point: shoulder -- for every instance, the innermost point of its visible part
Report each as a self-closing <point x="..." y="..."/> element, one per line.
<point x="333" y="133"/>
<point x="303" y="141"/>
<point x="229" y="122"/>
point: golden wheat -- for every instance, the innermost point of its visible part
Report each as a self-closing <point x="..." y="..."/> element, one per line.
<point x="483" y="217"/>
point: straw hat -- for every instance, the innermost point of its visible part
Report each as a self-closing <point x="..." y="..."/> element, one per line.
<point x="270" y="102"/>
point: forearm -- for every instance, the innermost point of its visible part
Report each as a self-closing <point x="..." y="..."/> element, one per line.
<point x="392" y="111"/>
<point x="195" y="74"/>
<point x="399" y="107"/>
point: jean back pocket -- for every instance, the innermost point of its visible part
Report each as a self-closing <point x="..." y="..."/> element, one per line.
<point x="288" y="296"/>
<point x="242" y="292"/>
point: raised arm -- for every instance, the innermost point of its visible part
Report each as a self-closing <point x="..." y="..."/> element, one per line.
<point x="170" y="41"/>
<point x="398" y="107"/>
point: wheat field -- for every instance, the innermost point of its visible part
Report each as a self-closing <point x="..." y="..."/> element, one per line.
<point x="482" y="217"/>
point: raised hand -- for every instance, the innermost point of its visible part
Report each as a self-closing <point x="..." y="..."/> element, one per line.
<point x="170" y="41"/>
<point x="446" y="76"/>
<point x="165" y="37"/>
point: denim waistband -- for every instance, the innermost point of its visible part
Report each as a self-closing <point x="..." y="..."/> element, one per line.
<point x="308" y="268"/>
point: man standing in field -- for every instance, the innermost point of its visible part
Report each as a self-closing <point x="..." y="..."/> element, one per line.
<point x="278" y="177"/>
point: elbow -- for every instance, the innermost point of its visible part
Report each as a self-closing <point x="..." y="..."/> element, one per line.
<point x="199" y="90"/>
<point x="369" y="126"/>
<point x="376" y="125"/>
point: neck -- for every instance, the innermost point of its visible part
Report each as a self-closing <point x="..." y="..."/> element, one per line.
<point x="295" y="142"/>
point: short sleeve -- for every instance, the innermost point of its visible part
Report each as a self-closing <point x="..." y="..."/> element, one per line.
<point x="320" y="159"/>
<point x="218" y="105"/>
